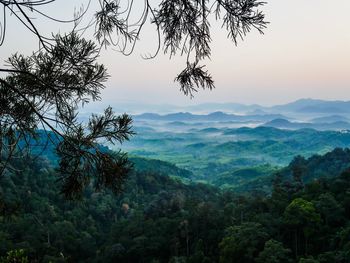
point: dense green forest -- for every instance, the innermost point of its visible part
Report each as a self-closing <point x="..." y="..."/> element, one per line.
<point x="192" y="183"/>
<point x="215" y="154"/>
<point x="304" y="217"/>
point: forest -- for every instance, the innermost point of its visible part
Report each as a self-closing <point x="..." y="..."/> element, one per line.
<point x="304" y="217"/>
<point x="102" y="160"/>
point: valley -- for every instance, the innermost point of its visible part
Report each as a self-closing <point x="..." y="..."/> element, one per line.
<point x="230" y="150"/>
<point x="201" y="186"/>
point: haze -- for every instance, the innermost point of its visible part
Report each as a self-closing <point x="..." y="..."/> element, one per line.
<point x="304" y="53"/>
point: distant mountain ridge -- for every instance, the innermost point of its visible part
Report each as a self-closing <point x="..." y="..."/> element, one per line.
<point x="311" y="108"/>
<point x="285" y="124"/>
<point x="329" y="119"/>
<point x="214" y="116"/>
<point x="306" y="105"/>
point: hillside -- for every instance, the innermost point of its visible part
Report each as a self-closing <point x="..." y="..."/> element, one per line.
<point x="211" y="155"/>
<point x="308" y="169"/>
<point x="210" y="152"/>
<point x="160" y="219"/>
<point x="317" y="125"/>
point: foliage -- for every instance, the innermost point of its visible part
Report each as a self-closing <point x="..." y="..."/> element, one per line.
<point x="300" y="213"/>
<point x="274" y="252"/>
<point x="247" y="162"/>
<point x="242" y="243"/>
<point x="15" y="256"/>
<point x="160" y="219"/>
<point x="45" y="91"/>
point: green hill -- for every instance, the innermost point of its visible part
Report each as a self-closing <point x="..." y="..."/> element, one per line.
<point x="160" y="219"/>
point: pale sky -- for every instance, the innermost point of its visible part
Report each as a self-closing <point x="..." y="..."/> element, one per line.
<point x="303" y="54"/>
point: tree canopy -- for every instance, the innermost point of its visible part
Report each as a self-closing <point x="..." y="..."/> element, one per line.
<point x="158" y="218"/>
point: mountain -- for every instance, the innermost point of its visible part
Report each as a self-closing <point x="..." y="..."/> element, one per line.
<point x="330" y="119"/>
<point x="161" y="167"/>
<point x="312" y="106"/>
<point x="304" y="106"/>
<point x="325" y="108"/>
<point x="320" y="111"/>
<point x="296" y="105"/>
<point x="176" y="124"/>
<point x="285" y="124"/>
<point x="217" y="116"/>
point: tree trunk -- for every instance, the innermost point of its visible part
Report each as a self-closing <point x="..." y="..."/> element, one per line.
<point x="296" y="243"/>
<point x="305" y="244"/>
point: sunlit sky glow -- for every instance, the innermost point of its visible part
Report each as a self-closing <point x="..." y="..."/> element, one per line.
<point x="303" y="54"/>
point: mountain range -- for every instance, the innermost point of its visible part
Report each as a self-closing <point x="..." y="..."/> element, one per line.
<point x="301" y="106"/>
<point x="285" y="124"/>
<point x="303" y="113"/>
<point x="214" y="116"/>
<point x="314" y="106"/>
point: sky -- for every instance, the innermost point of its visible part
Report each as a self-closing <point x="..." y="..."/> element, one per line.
<point x="304" y="53"/>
